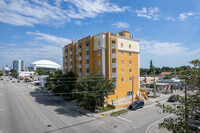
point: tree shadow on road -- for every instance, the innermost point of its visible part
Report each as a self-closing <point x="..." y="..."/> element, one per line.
<point x="61" y="106"/>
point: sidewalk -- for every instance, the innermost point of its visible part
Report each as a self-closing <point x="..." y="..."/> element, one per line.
<point x="147" y="102"/>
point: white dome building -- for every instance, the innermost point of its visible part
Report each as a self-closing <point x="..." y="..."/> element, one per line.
<point x="45" y="64"/>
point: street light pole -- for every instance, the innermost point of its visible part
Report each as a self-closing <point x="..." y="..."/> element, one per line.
<point x="186" y="110"/>
<point x="132" y="88"/>
<point x="154" y="91"/>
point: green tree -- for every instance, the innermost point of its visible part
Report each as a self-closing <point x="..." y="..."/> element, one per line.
<point x="15" y="74"/>
<point x="188" y="109"/>
<point x="61" y="83"/>
<point x="1" y="73"/>
<point x="94" y="89"/>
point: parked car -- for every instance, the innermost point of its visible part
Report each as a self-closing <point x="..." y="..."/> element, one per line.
<point x="18" y="81"/>
<point x="1" y="79"/>
<point x="136" y="105"/>
<point x="13" y="81"/>
<point x="173" y="98"/>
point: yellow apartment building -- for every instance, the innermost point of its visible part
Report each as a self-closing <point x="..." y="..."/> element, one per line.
<point x="115" y="56"/>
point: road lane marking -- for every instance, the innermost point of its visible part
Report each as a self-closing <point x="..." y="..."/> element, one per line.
<point x="124" y="119"/>
<point x="35" y="108"/>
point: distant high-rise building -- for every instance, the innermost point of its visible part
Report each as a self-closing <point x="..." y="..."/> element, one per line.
<point x="18" y="65"/>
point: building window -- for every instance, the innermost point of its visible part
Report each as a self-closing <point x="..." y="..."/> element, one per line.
<point x="130" y="71"/>
<point x="88" y="70"/>
<point x="130" y="46"/>
<point x="99" y="62"/>
<point x="98" y="43"/>
<point x="122" y="71"/>
<point x="122" y="80"/>
<point x="122" y="54"/>
<point x="130" y="79"/>
<point x="80" y="70"/>
<point x="130" y="93"/>
<point x="122" y="62"/>
<point x="99" y="71"/>
<point x="129" y="62"/>
<point x="121" y="45"/>
<point x="129" y="54"/>
<point x="99" y="53"/>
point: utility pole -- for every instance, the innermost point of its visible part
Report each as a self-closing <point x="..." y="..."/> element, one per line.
<point x="154" y="90"/>
<point x="186" y="110"/>
<point x="132" y="88"/>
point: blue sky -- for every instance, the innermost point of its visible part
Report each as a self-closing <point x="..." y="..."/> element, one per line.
<point x="169" y="31"/>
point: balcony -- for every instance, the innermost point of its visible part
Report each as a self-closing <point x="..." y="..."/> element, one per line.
<point x="87" y="74"/>
<point x="114" y="74"/>
<point x="70" y="67"/>
<point x="79" y="66"/>
<point x="80" y="50"/>
<point x="113" y="45"/>
<point x="65" y="60"/>
<point x="80" y="74"/>
<point x="114" y="55"/>
<point x="115" y="84"/>
<point x="66" y="67"/>
<point x="87" y="48"/>
<point x="66" y="54"/>
<point x="79" y="58"/>
<point x="87" y="65"/>
<point x="114" y="64"/>
<point x="70" y="52"/>
<point x="87" y="57"/>
<point x="70" y="59"/>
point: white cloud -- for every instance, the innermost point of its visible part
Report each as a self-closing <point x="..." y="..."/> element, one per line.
<point x="193" y="52"/>
<point x="92" y="8"/>
<point x="151" y="13"/>
<point x="170" y="18"/>
<point x="184" y="16"/>
<point x="162" y="48"/>
<point x="49" y="38"/>
<point x="78" y="22"/>
<point x="53" y="53"/>
<point x="121" y="25"/>
<point x="8" y="44"/>
<point x="138" y="29"/>
<point x="29" y="13"/>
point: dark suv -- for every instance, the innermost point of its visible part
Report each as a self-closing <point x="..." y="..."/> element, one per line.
<point x="136" y="105"/>
<point x="173" y="98"/>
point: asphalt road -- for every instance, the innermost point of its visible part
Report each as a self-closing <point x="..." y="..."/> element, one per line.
<point x="23" y="109"/>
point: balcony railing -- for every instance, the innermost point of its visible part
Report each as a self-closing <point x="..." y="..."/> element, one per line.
<point x="114" y="55"/>
<point x="79" y="58"/>
<point x="66" y="54"/>
<point x="87" y="65"/>
<point x="113" y="45"/>
<point x="66" y="67"/>
<point x="70" y="52"/>
<point x="79" y="66"/>
<point x="70" y="59"/>
<point x="79" y="50"/>
<point x="114" y="64"/>
<point x="65" y="60"/>
<point x="114" y="74"/>
<point x="87" y="74"/>
<point x="115" y="84"/>
<point x="87" y="48"/>
<point x="70" y="67"/>
<point x="87" y="56"/>
<point x="80" y="74"/>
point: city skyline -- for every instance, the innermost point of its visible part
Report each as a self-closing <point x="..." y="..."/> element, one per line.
<point x="168" y="32"/>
